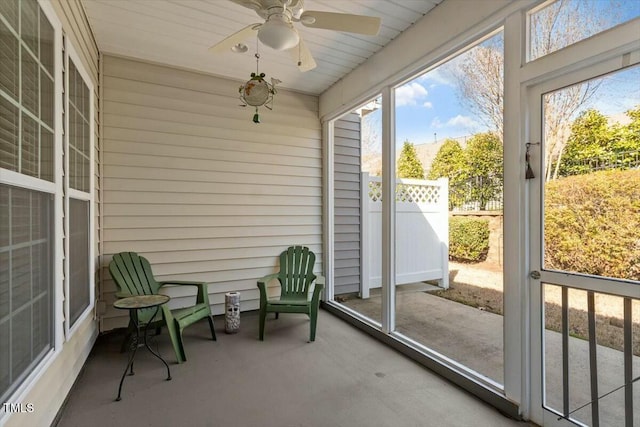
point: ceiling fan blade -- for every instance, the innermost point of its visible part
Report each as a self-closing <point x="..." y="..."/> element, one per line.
<point x="367" y="25"/>
<point x="251" y="4"/>
<point x="302" y="57"/>
<point x="235" y="38"/>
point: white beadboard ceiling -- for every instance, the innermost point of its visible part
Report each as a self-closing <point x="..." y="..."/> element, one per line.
<point x="179" y="33"/>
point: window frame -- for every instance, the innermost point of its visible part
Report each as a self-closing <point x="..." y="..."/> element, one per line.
<point x="70" y="54"/>
<point x="55" y="189"/>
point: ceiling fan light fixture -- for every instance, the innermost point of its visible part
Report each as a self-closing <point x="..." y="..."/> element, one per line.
<point x="278" y="33"/>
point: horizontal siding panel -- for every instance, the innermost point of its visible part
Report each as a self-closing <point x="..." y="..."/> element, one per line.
<point x="240" y="122"/>
<point x="138" y="222"/>
<point x="168" y="186"/>
<point x="347" y="194"/>
<point x="348" y="211"/>
<point x="177" y="151"/>
<point x="180" y="175"/>
<point x="348" y="245"/>
<point x="347" y="289"/>
<point x="343" y="228"/>
<point x="269" y="253"/>
<point x="346" y="151"/>
<point x="346" y="263"/>
<point x="147" y="210"/>
<point x="275" y="146"/>
<point x="349" y="125"/>
<point x="220" y="199"/>
<point x="347" y="185"/>
<point x="353" y="221"/>
<point x="208" y="232"/>
<point x="346" y="166"/>
<point x="142" y="161"/>
<point x="345" y="270"/>
<point x="348" y="203"/>
<point x="198" y="244"/>
<point x="347" y="176"/>
<point x="266" y="132"/>
<point x="346" y="138"/>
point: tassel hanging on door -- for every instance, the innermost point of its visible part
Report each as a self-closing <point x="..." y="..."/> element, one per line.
<point x="527" y="157"/>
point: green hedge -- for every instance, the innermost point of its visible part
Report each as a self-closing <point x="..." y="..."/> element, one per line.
<point x="468" y="239"/>
<point x="592" y="224"/>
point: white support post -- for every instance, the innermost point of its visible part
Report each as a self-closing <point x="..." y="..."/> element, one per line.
<point x="328" y="212"/>
<point x="365" y="238"/>
<point x="443" y="230"/>
<point x="388" y="210"/>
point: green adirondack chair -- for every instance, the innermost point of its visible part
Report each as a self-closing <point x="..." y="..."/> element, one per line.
<point x="133" y="276"/>
<point x="295" y="277"/>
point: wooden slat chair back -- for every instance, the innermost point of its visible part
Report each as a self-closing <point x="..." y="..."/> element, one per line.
<point x="295" y="277"/>
<point x="296" y="272"/>
<point x="133" y="276"/>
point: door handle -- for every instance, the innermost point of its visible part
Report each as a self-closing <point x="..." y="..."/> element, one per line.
<point x="535" y="274"/>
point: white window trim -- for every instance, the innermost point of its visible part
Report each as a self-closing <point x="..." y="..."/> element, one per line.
<point x="70" y="193"/>
<point x="55" y="188"/>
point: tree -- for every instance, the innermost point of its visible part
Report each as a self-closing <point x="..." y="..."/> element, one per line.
<point x="450" y="163"/>
<point x="480" y="80"/>
<point x="589" y="140"/>
<point x="626" y="138"/>
<point x="483" y="156"/>
<point x="593" y="144"/>
<point x="479" y="72"/>
<point x="409" y="166"/>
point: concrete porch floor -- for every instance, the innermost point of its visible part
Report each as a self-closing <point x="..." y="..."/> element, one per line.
<point x="474" y="338"/>
<point x="345" y="378"/>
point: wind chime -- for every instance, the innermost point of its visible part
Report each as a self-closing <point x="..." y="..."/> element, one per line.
<point x="257" y="92"/>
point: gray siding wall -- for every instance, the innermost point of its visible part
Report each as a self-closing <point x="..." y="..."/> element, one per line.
<point x="194" y="185"/>
<point x="347" y="204"/>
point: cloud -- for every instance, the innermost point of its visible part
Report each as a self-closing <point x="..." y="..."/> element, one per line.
<point x="458" y="122"/>
<point x="410" y="94"/>
<point x="427" y="104"/>
<point x="438" y="76"/>
<point x="462" y="121"/>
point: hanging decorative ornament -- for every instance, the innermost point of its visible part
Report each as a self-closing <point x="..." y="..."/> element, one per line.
<point x="257" y="92"/>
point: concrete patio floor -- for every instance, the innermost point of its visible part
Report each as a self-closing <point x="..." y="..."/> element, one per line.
<point x="474" y="338"/>
<point x="345" y="378"/>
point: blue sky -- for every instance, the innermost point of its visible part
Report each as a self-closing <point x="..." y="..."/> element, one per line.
<point x="429" y="105"/>
<point x="429" y="108"/>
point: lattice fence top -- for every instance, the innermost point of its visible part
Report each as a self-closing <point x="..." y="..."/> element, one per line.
<point x="375" y="191"/>
<point x="408" y="193"/>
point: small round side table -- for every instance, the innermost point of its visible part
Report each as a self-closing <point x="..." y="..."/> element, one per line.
<point x="133" y="304"/>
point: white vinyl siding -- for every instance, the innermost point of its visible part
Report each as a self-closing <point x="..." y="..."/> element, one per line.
<point x="347" y="204"/>
<point x="191" y="183"/>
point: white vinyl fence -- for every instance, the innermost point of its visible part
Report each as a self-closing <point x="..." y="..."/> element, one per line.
<point x="422" y="232"/>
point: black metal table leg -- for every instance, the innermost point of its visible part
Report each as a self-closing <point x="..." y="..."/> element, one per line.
<point x="133" y="305"/>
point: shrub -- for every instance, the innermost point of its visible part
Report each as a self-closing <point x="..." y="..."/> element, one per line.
<point x="468" y="239"/>
<point x="592" y="224"/>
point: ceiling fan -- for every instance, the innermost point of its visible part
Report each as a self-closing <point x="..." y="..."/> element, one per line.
<point x="279" y="33"/>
